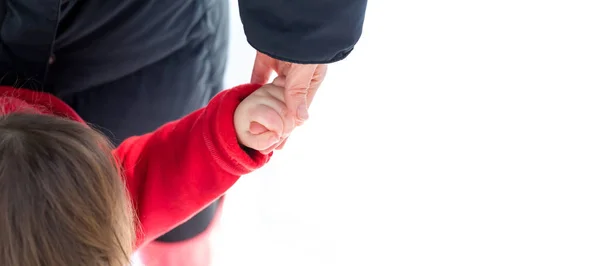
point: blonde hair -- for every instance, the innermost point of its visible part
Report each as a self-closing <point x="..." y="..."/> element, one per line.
<point x="62" y="199"/>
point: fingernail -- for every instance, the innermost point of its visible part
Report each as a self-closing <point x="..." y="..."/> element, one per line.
<point x="302" y="112"/>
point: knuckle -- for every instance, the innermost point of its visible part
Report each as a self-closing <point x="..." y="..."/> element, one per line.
<point x="296" y="91"/>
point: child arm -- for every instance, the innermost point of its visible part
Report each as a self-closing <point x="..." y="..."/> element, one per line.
<point x="176" y="171"/>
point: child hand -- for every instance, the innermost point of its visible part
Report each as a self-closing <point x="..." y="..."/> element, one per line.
<point x="261" y="120"/>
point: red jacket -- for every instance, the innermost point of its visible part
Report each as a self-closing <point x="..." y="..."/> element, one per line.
<point x="176" y="171"/>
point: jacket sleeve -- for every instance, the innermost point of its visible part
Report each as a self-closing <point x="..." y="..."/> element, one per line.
<point x="303" y="31"/>
<point x="176" y="171"/>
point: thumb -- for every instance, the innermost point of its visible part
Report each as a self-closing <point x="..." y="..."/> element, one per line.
<point x="256" y="128"/>
<point x="261" y="72"/>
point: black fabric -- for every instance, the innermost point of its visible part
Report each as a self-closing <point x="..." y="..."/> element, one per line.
<point x="146" y="94"/>
<point x="303" y="31"/>
<point x="192" y="227"/>
<point x="27" y="33"/>
<point x="99" y="42"/>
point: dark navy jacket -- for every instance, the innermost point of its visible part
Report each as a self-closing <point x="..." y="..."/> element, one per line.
<point x="303" y="31"/>
<point x="104" y="40"/>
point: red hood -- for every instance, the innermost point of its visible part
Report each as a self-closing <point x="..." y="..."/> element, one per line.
<point x="23" y="100"/>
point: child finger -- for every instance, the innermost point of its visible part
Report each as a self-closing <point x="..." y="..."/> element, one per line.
<point x="267" y="117"/>
<point x="256" y="128"/>
<point x="279" y="106"/>
<point x="270" y="149"/>
<point x="280" y="146"/>
<point x="279" y="81"/>
<point x="263" y="141"/>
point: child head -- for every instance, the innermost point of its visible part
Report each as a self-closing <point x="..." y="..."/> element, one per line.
<point x="62" y="200"/>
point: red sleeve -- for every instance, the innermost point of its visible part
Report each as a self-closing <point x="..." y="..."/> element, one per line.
<point x="176" y="171"/>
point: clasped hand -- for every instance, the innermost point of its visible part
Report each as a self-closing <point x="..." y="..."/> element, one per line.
<point x="297" y="83"/>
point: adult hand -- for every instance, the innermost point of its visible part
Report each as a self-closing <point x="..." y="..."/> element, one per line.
<point x="300" y="81"/>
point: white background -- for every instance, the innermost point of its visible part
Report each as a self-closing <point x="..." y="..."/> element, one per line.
<point x="457" y="133"/>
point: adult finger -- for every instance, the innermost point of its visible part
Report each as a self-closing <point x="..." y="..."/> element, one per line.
<point x="261" y="72"/>
<point x="297" y="82"/>
<point x="281" y="144"/>
<point x="318" y="78"/>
